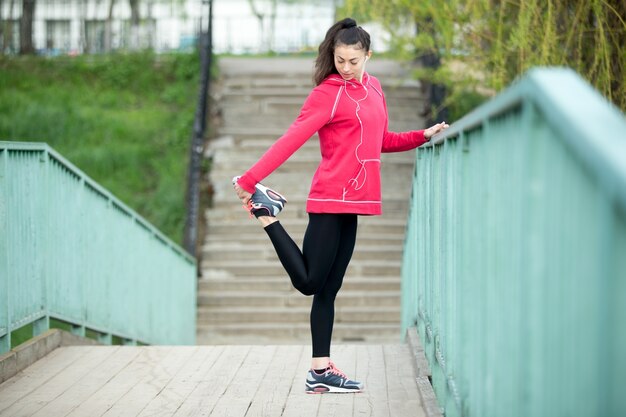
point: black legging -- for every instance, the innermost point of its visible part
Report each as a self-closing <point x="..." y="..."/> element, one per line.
<point x="319" y="269"/>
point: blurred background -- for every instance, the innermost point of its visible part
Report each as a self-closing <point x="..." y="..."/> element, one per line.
<point x="113" y="84"/>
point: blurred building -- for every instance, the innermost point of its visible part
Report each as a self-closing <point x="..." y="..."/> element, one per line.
<point x="96" y="26"/>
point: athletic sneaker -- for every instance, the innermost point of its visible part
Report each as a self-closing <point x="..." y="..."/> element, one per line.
<point x="332" y="380"/>
<point x="264" y="201"/>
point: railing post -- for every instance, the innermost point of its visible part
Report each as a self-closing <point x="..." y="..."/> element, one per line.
<point x="42" y="325"/>
<point x="129" y="342"/>
<point x="5" y="318"/>
<point x="105" y="338"/>
<point x="5" y="342"/>
<point x="79" y="330"/>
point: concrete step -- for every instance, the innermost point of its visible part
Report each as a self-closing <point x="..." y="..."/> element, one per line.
<point x="299" y="89"/>
<point x="251" y="94"/>
<point x="266" y="132"/>
<point x="396" y="195"/>
<point x="395" y="199"/>
<point x="300" y="333"/>
<point x="262" y="239"/>
<point x="311" y="147"/>
<point x="236" y="251"/>
<point x="254" y="149"/>
<point x="291" y="298"/>
<point x="295" y="186"/>
<point x="213" y="286"/>
<point x="276" y="78"/>
<point x="231" y="83"/>
<point x="297" y="226"/>
<point x="280" y="112"/>
<point x="262" y="314"/>
<point x="223" y="211"/>
<point x="251" y="132"/>
<point x="261" y="268"/>
<point x="300" y="164"/>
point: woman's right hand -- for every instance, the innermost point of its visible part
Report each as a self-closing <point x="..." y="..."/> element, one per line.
<point x="243" y="195"/>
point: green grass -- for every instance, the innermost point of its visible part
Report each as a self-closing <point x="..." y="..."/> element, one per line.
<point x="124" y="119"/>
<point x="25" y="333"/>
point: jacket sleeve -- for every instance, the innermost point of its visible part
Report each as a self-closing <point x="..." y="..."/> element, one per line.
<point x="314" y="114"/>
<point x="400" y="141"/>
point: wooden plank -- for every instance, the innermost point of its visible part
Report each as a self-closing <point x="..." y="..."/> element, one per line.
<point x="271" y="397"/>
<point x="429" y="400"/>
<point x="145" y="390"/>
<point x="208" y="391"/>
<point x="210" y="381"/>
<point x="87" y="359"/>
<point x="344" y="357"/>
<point x="115" y="388"/>
<point x="404" y="397"/>
<point x="370" y="369"/>
<point x="299" y="403"/>
<point x="91" y="383"/>
<point x="239" y="394"/>
<point x="37" y="374"/>
<point x="421" y="365"/>
<point x="197" y="369"/>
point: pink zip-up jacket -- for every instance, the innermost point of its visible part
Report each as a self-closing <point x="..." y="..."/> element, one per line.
<point x="351" y="120"/>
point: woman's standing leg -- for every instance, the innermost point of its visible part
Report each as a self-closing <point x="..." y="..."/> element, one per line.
<point x="324" y="375"/>
<point x="323" y="306"/>
<point x="319" y="269"/>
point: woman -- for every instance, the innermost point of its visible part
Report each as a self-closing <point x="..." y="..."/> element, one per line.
<point x="347" y="109"/>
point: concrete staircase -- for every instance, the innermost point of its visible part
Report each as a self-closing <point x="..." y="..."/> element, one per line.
<point x="244" y="295"/>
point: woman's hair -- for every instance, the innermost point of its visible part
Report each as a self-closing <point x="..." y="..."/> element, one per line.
<point x="344" y="32"/>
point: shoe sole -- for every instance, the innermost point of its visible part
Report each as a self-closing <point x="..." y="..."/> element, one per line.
<point x="327" y="389"/>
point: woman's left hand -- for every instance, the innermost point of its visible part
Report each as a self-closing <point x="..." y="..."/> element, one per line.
<point x="434" y="129"/>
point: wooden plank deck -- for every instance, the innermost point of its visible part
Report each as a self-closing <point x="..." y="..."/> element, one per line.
<point x="234" y="381"/>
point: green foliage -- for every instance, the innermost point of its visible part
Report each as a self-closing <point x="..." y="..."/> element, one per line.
<point x="21" y="335"/>
<point x="124" y="119"/>
<point x="486" y="44"/>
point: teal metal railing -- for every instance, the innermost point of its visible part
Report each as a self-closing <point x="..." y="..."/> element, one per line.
<point x="514" y="269"/>
<point x="70" y="251"/>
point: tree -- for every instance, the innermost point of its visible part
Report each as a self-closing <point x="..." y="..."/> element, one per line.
<point x="265" y="40"/>
<point x="488" y="43"/>
<point x="108" y="30"/>
<point x="134" y="24"/>
<point x="3" y="29"/>
<point x="26" y="27"/>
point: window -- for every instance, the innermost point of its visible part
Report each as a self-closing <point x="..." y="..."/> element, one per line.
<point x="10" y="36"/>
<point x="141" y="37"/>
<point x="94" y="36"/>
<point x="57" y="36"/>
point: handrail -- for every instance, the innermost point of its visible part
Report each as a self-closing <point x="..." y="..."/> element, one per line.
<point x="514" y="270"/>
<point x="70" y="250"/>
<point x="592" y="125"/>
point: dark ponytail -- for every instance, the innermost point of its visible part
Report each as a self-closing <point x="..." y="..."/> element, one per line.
<point x="344" y="32"/>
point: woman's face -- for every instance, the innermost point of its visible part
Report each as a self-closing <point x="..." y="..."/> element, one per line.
<point x="350" y="61"/>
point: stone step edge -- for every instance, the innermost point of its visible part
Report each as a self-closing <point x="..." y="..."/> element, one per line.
<point x="299" y="326"/>
<point x="295" y="309"/>
<point x="283" y="280"/>
<point x="273" y="293"/>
